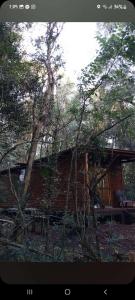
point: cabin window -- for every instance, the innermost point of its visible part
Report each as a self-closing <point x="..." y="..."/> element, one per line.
<point x="22" y="175"/>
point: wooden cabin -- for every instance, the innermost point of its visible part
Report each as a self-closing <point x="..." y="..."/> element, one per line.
<point x="62" y="180"/>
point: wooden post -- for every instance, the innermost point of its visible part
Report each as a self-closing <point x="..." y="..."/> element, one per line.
<point x="87" y="181"/>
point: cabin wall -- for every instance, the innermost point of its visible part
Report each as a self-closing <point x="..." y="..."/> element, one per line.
<point x="72" y="183"/>
<point x="7" y="198"/>
<point x="110" y="183"/>
<point x="103" y="187"/>
<point x="104" y="190"/>
<point x="55" y="194"/>
<point x="60" y="192"/>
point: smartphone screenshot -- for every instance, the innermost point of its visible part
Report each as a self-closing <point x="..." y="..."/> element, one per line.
<point x="67" y="148"/>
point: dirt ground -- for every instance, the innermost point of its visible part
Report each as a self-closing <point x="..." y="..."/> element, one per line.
<point x="115" y="241"/>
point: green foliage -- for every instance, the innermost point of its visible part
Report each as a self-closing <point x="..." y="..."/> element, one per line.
<point x="14" y="120"/>
<point x="112" y="72"/>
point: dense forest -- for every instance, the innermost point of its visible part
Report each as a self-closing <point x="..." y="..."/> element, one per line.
<point x="43" y="113"/>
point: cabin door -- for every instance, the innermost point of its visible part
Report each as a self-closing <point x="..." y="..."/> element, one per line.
<point x="104" y="190"/>
<point x="116" y="180"/>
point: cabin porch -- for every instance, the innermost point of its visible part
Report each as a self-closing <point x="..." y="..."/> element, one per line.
<point x="113" y="181"/>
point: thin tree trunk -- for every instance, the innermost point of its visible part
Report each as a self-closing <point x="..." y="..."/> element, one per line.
<point x="32" y="153"/>
<point x="44" y="118"/>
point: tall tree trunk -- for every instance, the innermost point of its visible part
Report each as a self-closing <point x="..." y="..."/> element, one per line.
<point x="44" y="118"/>
<point x="32" y="153"/>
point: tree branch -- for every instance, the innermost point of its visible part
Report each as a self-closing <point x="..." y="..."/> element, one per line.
<point x="113" y="125"/>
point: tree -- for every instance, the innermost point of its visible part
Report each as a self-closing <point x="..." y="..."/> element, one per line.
<point x="14" y="120"/>
<point x="51" y="64"/>
<point x="108" y="82"/>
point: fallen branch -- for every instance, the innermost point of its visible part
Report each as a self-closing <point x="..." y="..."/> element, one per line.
<point x="6" y="242"/>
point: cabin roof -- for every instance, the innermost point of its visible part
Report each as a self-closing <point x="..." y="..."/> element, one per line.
<point x="124" y="156"/>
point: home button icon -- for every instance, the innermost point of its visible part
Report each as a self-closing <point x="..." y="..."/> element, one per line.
<point x="67" y="292"/>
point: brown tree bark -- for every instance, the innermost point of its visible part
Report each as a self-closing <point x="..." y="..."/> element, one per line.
<point x="32" y="153"/>
<point x="44" y="118"/>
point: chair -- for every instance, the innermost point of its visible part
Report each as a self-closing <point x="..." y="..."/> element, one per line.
<point x="121" y="197"/>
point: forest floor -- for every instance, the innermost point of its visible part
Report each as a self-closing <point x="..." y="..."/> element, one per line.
<point x="115" y="241"/>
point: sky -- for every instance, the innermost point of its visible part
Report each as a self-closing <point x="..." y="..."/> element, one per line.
<point x="79" y="46"/>
<point x="78" y="43"/>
